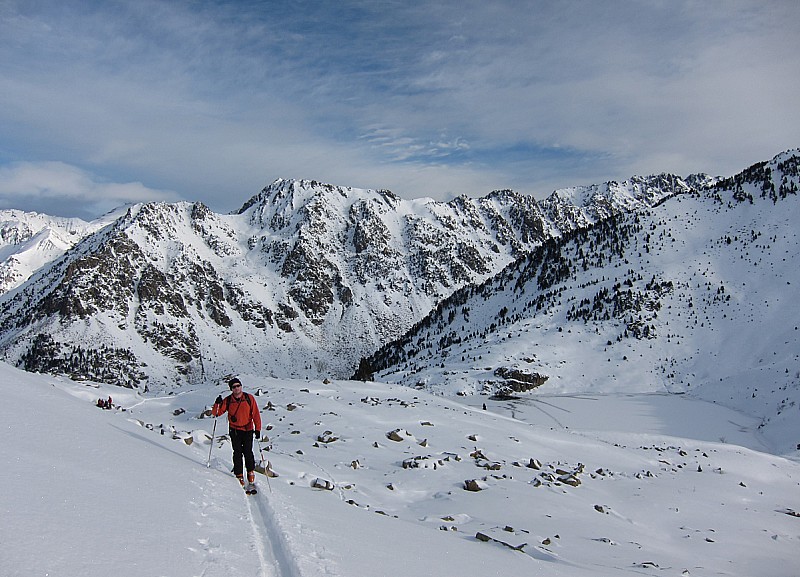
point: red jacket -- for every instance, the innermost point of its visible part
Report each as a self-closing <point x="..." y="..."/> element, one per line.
<point x="243" y="414"/>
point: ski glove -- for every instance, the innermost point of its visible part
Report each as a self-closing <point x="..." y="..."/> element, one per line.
<point x="257" y="433"/>
<point x="219" y="400"/>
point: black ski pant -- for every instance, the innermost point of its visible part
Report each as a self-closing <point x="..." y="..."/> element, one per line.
<point x="242" y="442"/>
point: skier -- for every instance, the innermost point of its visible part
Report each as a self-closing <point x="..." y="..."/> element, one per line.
<point x="244" y="422"/>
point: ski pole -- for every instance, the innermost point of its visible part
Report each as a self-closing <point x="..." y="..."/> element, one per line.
<point x="266" y="471"/>
<point x="213" y="433"/>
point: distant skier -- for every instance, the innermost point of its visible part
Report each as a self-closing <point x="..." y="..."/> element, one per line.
<point x="244" y="422"/>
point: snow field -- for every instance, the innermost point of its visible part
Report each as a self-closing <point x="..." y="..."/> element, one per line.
<point x="101" y="491"/>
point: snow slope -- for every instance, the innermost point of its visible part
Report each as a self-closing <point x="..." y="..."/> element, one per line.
<point x="29" y="240"/>
<point x="696" y="295"/>
<point x="87" y="491"/>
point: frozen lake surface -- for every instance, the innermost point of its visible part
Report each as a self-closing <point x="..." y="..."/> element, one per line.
<point x="646" y="413"/>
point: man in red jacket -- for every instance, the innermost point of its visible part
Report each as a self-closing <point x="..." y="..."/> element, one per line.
<point x="244" y="421"/>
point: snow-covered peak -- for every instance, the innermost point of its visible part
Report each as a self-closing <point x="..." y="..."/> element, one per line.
<point x="29" y="240"/>
<point x="308" y="277"/>
<point x="284" y="202"/>
<point x="634" y="193"/>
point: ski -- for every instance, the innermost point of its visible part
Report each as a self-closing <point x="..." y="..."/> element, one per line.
<point x="250" y="489"/>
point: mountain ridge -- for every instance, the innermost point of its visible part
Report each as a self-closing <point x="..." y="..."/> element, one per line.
<point x="304" y="279"/>
<point x="694" y="295"/>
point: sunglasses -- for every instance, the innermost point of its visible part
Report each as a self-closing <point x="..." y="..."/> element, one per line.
<point x="236" y="387"/>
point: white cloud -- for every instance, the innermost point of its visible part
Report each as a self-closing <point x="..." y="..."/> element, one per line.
<point x="218" y="100"/>
<point x="41" y="186"/>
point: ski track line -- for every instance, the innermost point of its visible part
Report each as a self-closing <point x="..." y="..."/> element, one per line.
<point x="314" y="560"/>
<point x="267" y="540"/>
<point x="273" y="550"/>
<point x="538" y="407"/>
<point x="270" y="564"/>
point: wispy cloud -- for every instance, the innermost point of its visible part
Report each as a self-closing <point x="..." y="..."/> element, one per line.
<point x="44" y="186"/>
<point x="215" y="99"/>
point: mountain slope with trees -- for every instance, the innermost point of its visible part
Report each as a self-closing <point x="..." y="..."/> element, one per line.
<point x="696" y="294"/>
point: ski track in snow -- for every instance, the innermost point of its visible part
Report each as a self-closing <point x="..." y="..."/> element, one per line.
<point x="278" y="551"/>
<point x="538" y="405"/>
<point x="275" y="558"/>
<point x="267" y="540"/>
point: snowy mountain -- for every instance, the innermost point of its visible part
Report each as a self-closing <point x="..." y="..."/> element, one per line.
<point x="696" y="294"/>
<point x="29" y="240"/>
<point x="304" y="280"/>
<point x="308" y="278"/>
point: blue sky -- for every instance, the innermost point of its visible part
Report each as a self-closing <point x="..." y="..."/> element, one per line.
<point x="109" y="102"/>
